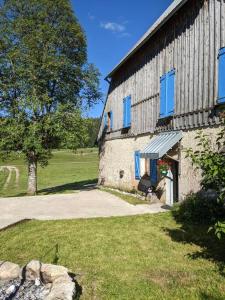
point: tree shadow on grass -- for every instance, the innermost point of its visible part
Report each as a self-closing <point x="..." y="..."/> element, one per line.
<point x="205" y="296"/>
<point x="70" y="187"/>
<point x="211" y="248"/>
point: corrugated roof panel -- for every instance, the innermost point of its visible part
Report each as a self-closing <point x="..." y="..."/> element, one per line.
<point x="161" y="144"/>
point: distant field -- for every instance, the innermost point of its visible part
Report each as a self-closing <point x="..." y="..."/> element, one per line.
<point x="67" y="171"/>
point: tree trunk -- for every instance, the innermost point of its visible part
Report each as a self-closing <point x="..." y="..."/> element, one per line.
<point x="32" y="177"/>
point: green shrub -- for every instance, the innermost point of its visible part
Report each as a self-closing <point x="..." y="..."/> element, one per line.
<point x="199" y="209"/>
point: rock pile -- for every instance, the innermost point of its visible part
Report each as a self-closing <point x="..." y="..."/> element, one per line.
<point x="35" y="281"/>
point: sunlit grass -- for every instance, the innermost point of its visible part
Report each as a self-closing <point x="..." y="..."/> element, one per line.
<point x="66" y="172"/>
<point x="138" y="257"/>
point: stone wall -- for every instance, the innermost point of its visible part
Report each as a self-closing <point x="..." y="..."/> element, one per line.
<point x="116" y="167"/>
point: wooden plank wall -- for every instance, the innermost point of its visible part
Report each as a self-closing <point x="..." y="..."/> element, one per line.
<point x="189" y="42"/>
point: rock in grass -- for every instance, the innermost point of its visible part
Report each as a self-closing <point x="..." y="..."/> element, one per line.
<point x="33" y="269"/>
<point x="9" y="271"/>
<point x="62" y="289"/>
<point x="49" y="272"/>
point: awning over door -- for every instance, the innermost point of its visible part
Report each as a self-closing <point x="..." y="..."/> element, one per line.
<point x="161" y="144"/>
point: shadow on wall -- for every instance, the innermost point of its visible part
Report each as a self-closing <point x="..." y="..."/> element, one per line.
<point x="70" y="187"/>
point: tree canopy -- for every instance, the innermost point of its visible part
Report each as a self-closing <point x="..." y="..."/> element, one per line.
<point x="45" y="79"/>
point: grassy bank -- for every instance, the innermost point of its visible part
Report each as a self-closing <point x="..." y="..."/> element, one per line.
<point x="66" y="172"/>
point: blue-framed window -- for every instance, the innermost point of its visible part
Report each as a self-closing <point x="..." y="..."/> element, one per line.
<point x="221" y="83"/>
<point x="137" y="165"/>
<point x="127" y="112"/>
<point x="167" y="94"/>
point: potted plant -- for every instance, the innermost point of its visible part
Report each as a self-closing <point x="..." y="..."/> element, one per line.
<point x="164" y="167"/>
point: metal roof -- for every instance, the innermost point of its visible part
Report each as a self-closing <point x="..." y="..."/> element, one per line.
<point x="169" y="12"/>
<point x="161" y="144"/>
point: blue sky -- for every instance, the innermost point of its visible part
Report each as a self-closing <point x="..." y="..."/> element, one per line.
<point x="112" y="27"/>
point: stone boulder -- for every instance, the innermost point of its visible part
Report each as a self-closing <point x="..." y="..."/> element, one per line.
<point x="9" y="271"/>
<point x="32" y="270"/>
<point x="50" y="273"/>
<point x="62" y="289"/>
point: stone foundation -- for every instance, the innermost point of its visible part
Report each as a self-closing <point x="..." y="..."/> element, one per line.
<point x="116" y="168"/>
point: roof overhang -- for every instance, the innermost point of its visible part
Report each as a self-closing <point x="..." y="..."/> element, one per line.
<point x="171" y="10"/>
<point x="161" y="144"/>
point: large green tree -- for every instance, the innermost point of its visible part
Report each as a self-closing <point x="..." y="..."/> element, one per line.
<point x="45" y="80"/>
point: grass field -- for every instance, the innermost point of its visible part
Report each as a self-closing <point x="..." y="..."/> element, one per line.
<point x="66" y="172"/>
<point x="138" y="257"/>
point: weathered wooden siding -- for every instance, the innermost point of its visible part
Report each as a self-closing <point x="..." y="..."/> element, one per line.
<point x="188" y="42"/>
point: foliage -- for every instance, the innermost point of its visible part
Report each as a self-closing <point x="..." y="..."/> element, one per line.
<point x="92" y="129"/>
<point x="219" y="229"/>
<point x="45" y="79"/>
<point x="198" y="208"/>
<point x="164" y="166"/>
<point x="210" y="160"/>
<point x="124" y="257"/>
<point x="89" y="132"/>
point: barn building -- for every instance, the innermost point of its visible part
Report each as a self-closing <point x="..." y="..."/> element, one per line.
<point x="167" y="87"/>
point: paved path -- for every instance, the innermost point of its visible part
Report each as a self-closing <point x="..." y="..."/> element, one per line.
<point x="84" y="204"/>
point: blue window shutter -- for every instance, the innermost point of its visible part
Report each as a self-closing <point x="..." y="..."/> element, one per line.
<point x="128" y="111"/>
<point x="124" y="113"/>
<point x="105" y="120"/>
<point x="162" y="96"/>
<point x="221" y="87"/>
<point x="111" y="120"/>
<point x="137" y="164"/>
<point x="170" y="92"/>
<point x="153" y="171"/>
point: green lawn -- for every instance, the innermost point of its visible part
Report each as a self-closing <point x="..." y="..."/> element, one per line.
<point x="66" y="172"/>
<point x="138" y="257"/>
<point x="126" y="197"/>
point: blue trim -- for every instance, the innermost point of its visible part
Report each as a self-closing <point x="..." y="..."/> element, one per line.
<point x="127" y="112"/>
<point x="105" y="120"/>
<point x="222" y="51"/>
<point x="163" y="96"/>
<point x="221" y="76"/>
<point x="170" y="93"/>
<point x="167" y="94"/>
<point x="137" y="165"/>
<point x="111" y="120"/>
<point x="153" y="171"/>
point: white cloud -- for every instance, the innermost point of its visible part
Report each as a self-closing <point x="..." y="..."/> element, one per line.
<point x="114" y="27"/>
<point x="125" y="34"/>
<point x="91" y="17"/>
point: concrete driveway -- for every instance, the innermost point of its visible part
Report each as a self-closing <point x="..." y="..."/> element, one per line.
<point x="84" y="204"/>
